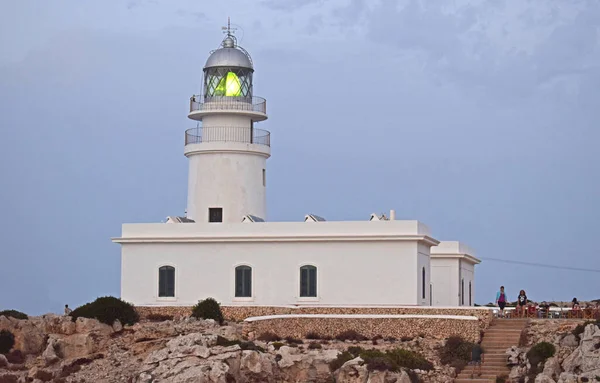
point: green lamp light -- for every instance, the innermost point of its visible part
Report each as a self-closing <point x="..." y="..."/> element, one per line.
<point x="229" y="86"/>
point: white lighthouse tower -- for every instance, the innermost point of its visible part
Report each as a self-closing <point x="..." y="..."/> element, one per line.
<point x="228" y="155"/>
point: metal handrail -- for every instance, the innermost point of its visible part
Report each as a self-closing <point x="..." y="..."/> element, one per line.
<point x="245" y="135"/>
<point x="250" y="104"/>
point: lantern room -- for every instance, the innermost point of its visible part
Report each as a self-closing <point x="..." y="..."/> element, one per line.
<point x="228" y="72"/>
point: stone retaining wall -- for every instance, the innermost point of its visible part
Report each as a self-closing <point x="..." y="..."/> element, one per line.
<point x="239" y="313"/>
<point x="410" y="326"/>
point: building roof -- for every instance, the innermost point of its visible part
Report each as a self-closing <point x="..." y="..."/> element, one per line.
<point x="229" y="57"/>
<point x="454" y="249"/>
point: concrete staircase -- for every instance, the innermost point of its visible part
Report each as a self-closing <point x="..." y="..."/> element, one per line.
<point x="501" y="335"/>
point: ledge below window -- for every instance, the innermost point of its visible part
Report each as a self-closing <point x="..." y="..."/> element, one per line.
<point x="242" y="299"/>
<point x="308" y="299"/>
<point x="166" y="299"/>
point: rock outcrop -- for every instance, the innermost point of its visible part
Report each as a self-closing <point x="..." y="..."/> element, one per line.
<point x="188" y="350"/>
<point x="577" y="358"/>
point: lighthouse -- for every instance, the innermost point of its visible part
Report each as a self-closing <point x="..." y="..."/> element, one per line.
<point x="227" y="154"/>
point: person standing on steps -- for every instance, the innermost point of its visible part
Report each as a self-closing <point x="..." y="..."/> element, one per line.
<point x="501" y="300"/>
<point x="477" y="358"/>
<point x="522" y="303"/>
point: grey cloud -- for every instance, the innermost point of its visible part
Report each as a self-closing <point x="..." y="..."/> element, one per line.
<point x="289" y="5"/>
<point x="315" y="23"/>
<point x="460" y="47"/>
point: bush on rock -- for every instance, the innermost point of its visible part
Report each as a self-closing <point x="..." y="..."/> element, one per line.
<point x="208" y="309"/>
<point x="540" y="353"/>
<point x="456" y="352"/>
<point x="14" y="314"/>
<point x="7" y="341"/>
<point x="107" y="310"/>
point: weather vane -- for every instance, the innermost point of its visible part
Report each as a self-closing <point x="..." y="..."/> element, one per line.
<point x="228" y="30"/>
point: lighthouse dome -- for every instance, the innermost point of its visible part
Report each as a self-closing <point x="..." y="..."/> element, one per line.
<point x="229" y="56"/>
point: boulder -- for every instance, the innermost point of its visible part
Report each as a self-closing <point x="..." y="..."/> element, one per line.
<point x="256" y="366"/>
<point x="29" y="338"/>
<point x="87" y="325"/>
<point x="352" y="372"/>
<point x="3" y="361"/>
<point x="49" y="355"/>
<point x="552" y="368"/>
<point x="569" y="341"/>
<point x="542" y="378"/>
<point x="77" y="345"/>
<point x="117" y="326"/>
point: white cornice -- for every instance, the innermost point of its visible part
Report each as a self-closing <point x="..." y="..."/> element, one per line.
<point x="467" y="257"/>
<point x="298" y="238"/>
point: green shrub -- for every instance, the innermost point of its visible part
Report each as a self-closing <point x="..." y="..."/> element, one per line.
<point x="251" y="346"/>
<point x="107" y="310"/>
<point x="350" y="335"/>
<point x="381" y="363"/>
<point x="7" y="341"/>
<point x="14" y="314"/>
<point x="292" y="340"/>
<point x="540" y="353"/>
<point x="277" y="345"/>
<point x="340" y="360"/>
<point x="314" y="346"/>
<point x="222" y="341"/>
<point x="269" y="337"/>
<point x="456" y="348"/>
<point x="409" y="359"/>
<point x="208" y="309"/>
<point x="313" y="335"/>
<point x="355" y="350"/>
<point x="159" y="317"/>
<point x="456" y="352"/>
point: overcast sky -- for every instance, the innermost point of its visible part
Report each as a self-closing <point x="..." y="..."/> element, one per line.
<point x="478" y="118"/>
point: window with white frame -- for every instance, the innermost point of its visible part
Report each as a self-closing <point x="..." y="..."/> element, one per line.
<point x="308" y="281"/>
<point x="243" y="281"/>
<point x="166" y="281"/>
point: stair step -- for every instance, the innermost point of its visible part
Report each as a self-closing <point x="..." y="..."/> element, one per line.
<point x="483" y="376"/>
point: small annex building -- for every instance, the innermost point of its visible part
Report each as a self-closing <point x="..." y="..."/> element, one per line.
<point x="226" y="248"/>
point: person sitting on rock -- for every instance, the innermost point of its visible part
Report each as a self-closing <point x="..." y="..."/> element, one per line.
<point x="68" y="311"/>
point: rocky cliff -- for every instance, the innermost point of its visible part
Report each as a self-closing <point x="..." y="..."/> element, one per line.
<point x="577" y="356"/>
<point x="54" y="348"/>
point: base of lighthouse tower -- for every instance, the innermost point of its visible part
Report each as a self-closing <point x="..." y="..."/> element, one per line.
<point x="227" y="180"/>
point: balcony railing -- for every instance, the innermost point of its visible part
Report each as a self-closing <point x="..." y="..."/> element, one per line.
<point x="250" y="104"/>
<point x="244" y="135"/>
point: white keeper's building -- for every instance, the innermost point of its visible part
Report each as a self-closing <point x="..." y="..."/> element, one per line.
<point x="226" y="249"/>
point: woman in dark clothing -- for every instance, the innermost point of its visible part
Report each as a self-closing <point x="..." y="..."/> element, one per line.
<point x="522" y="303"/>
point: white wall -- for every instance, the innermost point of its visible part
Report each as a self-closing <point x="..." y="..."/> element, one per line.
<point x="423" y="263"/>
<point x="348" y="272"/>
<point x="467" y="272"/>
<point x="227" y="175"/>
<point x="444" y="276"/>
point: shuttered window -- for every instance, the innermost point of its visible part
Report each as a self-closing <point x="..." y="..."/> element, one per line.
<point x="243" y="281"/>
<point x="166" y="281"/>
<point x="308" y="281"/>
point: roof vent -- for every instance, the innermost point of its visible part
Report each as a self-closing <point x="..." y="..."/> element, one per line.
<point x="173" y="219"/>
<point x="313" y="218"/>
<point x="375" y="217"/>
<point x="251" y="218"/>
